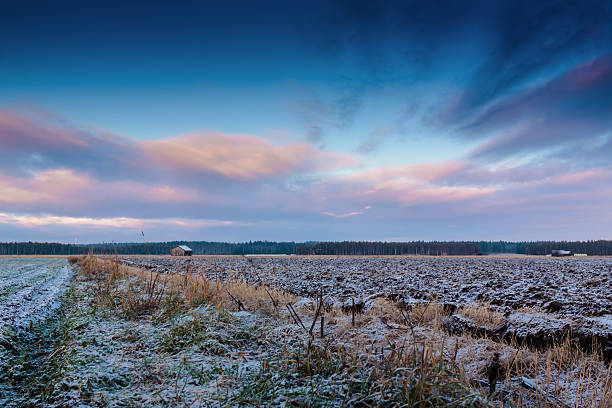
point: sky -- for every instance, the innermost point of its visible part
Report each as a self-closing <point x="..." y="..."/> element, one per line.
<point x="333" y="120"/>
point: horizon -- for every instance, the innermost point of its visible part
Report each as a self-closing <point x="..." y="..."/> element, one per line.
<point x="135" y="243"/>
<point x="326" y="121"/>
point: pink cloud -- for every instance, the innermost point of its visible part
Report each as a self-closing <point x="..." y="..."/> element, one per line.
<point x="405" y="185"/>
<point x="18" y="131"/>
<point x="153" y="194"/>
<point x="27" y="220"/>
<point x="243" y="157"/>
<point x="414" y="194"/>
<point x="583" y="177"/>
<point x="590" y="73"/>
<point x="39" y="146"/>
<point x="419" y="172"/>
<point x="349" y="214"/>
<point x="46" y="186"/>
<point x="59" y="186"/>
<point x="413" y="184"/>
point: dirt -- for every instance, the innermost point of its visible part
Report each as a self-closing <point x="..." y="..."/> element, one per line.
<point x="114" y="362"/>
<point x="543" y="299"/>
<point x="568" y="287"/>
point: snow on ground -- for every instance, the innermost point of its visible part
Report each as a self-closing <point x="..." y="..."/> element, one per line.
<point x="207" y="355"/>
<point x="30" y="289"/>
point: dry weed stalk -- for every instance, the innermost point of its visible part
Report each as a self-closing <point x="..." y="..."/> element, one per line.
<point x="562" y="375"/>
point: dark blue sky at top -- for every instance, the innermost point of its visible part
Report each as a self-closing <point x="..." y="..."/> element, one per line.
<point x="292" y="38"/>
<point x="507" y="88"/>
<point x="490" y="46"/>
<point x="248" y="55"/>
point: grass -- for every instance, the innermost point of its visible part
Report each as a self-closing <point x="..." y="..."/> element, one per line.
<point x="138" y="293"/>
<point x="326" y="375"/>
<point x="35" y="358"/>
<point x="483" y="315"/>
<point x="390" y="356"/>
<point x="354" y="376"/>
<point x="211" y="333"/>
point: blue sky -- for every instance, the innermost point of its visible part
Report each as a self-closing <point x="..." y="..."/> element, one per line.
<point x="331" y="120"/>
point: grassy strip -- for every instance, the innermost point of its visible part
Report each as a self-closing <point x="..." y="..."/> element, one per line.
<point x="35" y="358"/>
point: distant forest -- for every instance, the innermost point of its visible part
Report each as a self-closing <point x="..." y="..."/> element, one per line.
<point x="454" y="247"/>
<point x="152" y="248"/>
<point x="312" y="248"/>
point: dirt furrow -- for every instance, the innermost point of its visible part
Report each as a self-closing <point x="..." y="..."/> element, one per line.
<point x="36" y="295"/>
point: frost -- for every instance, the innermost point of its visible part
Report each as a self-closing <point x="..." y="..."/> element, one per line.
<point x="30" y="289"/>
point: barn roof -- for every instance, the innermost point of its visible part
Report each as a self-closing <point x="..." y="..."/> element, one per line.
<point x="185" y="248"/>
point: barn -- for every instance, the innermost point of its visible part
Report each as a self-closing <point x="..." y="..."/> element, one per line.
<point x="181" y="250"/>
<point x="561" y="252"/>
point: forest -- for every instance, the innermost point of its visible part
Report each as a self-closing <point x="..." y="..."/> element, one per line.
<point x="600" y="247"/>
<point x="436" y="248"/>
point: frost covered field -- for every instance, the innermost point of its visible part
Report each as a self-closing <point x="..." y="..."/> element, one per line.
<point x="569" y="287"/>
<point x="291" y="331"/>
<point x="551" y="318"/>
<point x="30" y="293"/>
<point x="30" y="289"/>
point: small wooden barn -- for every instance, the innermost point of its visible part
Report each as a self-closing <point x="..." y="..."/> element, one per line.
<point x="561" y="252"/>
<point x="181" y="250"/>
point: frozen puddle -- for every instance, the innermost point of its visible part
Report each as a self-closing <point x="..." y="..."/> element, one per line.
<point x="30" y="289"/>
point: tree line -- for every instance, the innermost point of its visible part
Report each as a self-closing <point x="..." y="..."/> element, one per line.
<point x="436" y="248"/>
<point x="389" y="248"/>
<point x="147" y="248"/>
<point x="600" y="247"/>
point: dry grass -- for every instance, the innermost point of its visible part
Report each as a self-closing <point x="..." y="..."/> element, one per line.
<point x="428" y="313"/>
<point x="483" y="315"/>
<point x="137" y="292"/>
<point x="562" y="376"/>
<point x="382" y="357"/>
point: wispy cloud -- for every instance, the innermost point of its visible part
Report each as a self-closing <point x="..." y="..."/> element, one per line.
<point x="65" y="187"/>
<point x="347" y="214"/>
<point x="27" y="145"/>
<point x="408" y="185"/>
<point x="571" y="109"/>
<point x="50" y="186"/>
<point x="240" y="156"/>
<point x="27" y="220"/>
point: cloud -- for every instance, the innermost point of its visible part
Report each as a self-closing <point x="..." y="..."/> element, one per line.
<point x="45" y="187"/>
<point x="239" y="156"/>
<point x="573" y="108"/>
<point x="64" y="187"/>
<point x="592" y="177"/>
<point x="527" y="42"/>
<point x="419" y="172"/>
<point x="336" y="110"/>
<point x="19" y="133"/>
<point x="397" y="129"/>
<point x="27" y="145"/>
<point x="407" y="185"/>
<point x="347" y="214"/>
<point x="34" y="221"/>
<point x="187" y="184"/>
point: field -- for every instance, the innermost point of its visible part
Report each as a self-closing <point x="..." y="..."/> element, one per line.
<point x="571" y="287"/>
<point x="306" y="331"/>
<point x="30" y="289"/>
